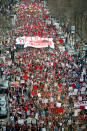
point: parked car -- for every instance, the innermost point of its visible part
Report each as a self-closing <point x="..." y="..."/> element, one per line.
<point x="4" y="86"/>
<point x="3" y="106"/>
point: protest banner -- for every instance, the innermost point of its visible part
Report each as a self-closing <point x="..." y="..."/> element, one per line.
<point x="36" y="42"/>
<point x="57" y="110"/>
<point x="80" y="103"/>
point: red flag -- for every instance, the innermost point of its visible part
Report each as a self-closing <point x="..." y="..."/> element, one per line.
<point x="59" y="87"/>
<point x="65" y="52"/>
<point x="35" y="67"/>
<point x="61" y="41"/>
<point x="73" y="85"/>
<point x="26" y="77"/>
<point x="34" y="87"/>
<point x="32" y="93"/>
<point x="48" y="93"/>
<point x="41" y="67"/>
<point x="82" y="107"/>
<point x="42" y="85"/>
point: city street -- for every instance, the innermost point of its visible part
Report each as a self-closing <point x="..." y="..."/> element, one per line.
<point x="43" y="72"/>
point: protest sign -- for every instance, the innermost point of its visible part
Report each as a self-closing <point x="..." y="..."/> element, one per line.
<point x="58" y="104"/>
<point x="20" y="121"/>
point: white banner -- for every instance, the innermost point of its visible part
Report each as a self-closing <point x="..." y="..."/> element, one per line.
<point x="80" y="103"/>
<point x="36" y="42"/>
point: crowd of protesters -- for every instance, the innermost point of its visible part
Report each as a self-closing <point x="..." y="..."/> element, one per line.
<point x="46" y="86"/>
<point x="6" y="6"/>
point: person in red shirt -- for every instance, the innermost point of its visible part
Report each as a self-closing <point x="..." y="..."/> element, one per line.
<point x="73" y="85"/>
<point x="34" y="33"/>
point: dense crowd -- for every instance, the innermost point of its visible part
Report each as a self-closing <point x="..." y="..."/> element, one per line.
<point x="46" y="86"/>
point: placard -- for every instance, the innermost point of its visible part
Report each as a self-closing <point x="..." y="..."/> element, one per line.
<point x="72" y="29"/>
<point x="58" y="104"/>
